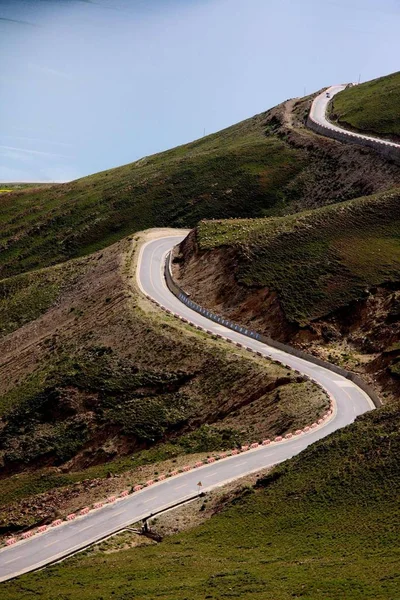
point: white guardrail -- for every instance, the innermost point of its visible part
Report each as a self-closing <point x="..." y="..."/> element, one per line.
<point x="184" y="298"/>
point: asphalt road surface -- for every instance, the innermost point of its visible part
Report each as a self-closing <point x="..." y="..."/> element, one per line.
<point x="318" y="115"/>
<point x="58" y="542"/>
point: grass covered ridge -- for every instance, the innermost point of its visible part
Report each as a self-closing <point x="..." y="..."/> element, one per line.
<point x="239" y="171"/>
<point x="316" y="261"/>
<point x="321" y="526"/>
<point x="372" y="107"/>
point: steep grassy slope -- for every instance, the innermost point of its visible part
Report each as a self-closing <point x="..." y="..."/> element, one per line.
<point x="236" y="172"/>
<point x="372" y="107"/>
<point x="321" y="526"/>
<point x="256" y="168"/>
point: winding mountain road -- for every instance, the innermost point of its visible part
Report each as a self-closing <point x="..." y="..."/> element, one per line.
<point x="350" y="401"/>
<point x="58" y="542"/>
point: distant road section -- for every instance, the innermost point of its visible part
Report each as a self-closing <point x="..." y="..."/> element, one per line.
<point x="319" y="122"/>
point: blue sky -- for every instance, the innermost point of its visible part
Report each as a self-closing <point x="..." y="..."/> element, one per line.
<point x="85" y="86"/>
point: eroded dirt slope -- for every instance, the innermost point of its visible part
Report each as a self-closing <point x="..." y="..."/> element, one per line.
<point x="326" y="281"/>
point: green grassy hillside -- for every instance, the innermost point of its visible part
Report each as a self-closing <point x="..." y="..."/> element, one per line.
<point x="237" y="172"/>
<point x="317" y="261"/>
<point x="322" y="526"/>
<point x="372" y="107"/>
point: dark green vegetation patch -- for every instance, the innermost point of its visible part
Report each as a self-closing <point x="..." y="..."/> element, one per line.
<point x="25" y="297"/>
<point x="47" y="420"/>
<point x="372" y="107"/>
